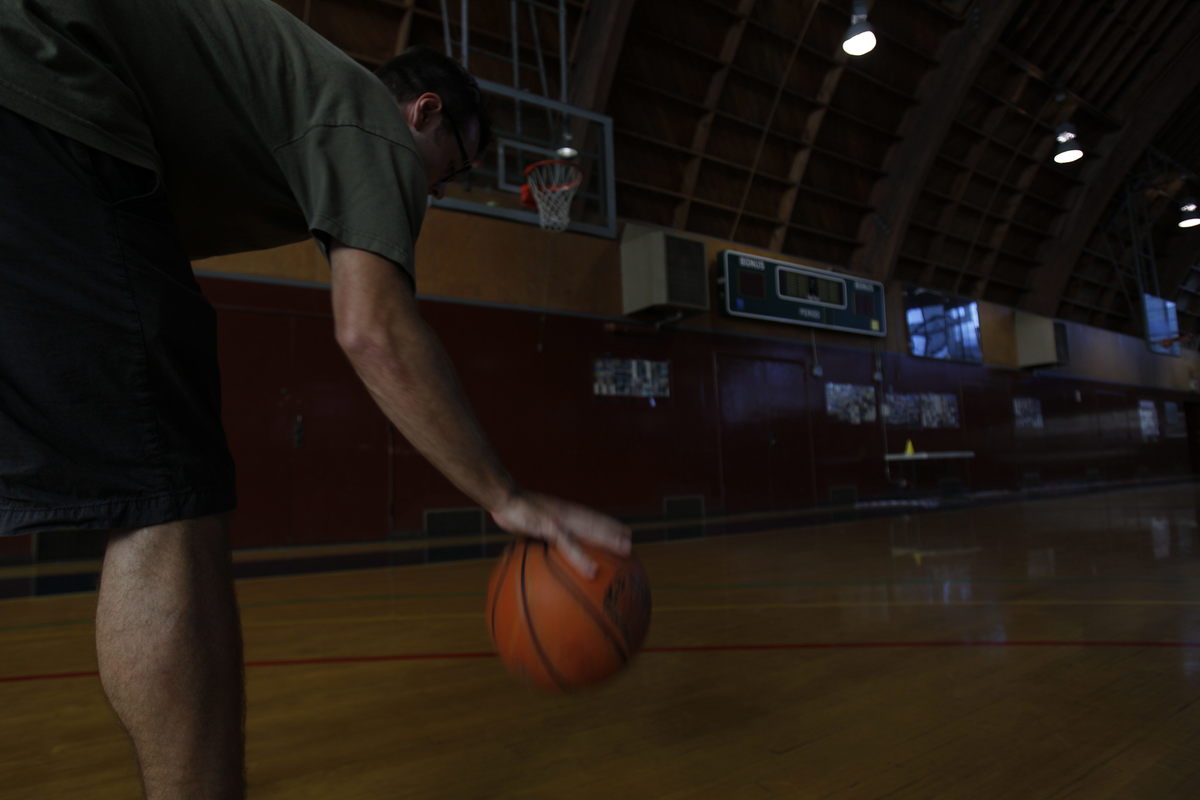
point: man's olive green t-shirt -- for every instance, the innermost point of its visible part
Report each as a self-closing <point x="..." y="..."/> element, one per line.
<point x="263" y="132"/>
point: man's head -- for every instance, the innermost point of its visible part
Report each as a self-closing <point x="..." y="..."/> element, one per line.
<point x="445" y="110"/>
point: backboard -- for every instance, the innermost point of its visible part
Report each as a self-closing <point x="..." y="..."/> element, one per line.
<point x="527" y="128"/>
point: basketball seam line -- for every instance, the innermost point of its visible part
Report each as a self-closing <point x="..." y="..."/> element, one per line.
<point x="508" y="552"/>
<point x="537" y="644"/>
<point x="584" y="601"/>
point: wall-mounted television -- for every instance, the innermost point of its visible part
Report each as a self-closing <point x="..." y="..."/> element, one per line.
<point x="942" y="326"/>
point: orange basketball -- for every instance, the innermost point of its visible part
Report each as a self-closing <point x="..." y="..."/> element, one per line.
<point x="558" y="630"/>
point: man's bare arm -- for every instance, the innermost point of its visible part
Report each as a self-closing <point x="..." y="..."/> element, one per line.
<point x="407" y="371"/>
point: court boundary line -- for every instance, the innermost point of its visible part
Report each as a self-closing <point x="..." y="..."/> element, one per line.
<point x="255" y="563"/>
<point x="814" y="604"/>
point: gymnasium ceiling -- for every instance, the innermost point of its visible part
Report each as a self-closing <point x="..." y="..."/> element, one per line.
<point x="925" y="162"/>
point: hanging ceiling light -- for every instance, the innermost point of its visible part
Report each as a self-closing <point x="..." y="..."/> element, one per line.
<point x="568" y="149"/>
<point x="860" y="38"/>
<point x="1190" y="218"/>
<point x="1066" y="148"/>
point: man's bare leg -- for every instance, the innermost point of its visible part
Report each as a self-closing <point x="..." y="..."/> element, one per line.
<point x="170" y="652"/>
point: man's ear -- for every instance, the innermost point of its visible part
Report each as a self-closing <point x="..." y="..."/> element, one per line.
<point x="424" y="111"/>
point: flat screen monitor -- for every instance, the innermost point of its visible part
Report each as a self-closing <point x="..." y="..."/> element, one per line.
<point x="942" y="326"/>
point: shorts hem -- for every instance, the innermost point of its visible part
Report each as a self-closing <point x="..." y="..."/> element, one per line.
<point x="117" y="514"/>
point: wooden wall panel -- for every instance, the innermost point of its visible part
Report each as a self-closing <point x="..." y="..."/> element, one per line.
<point x="18" y="549"/>
<point x="310" y="445"/>
<point x="295" y="262"/>
<point x="481" y="259"/>
<point x="998" y="338"/>
<point x="530" y="378"/>
<point x="987" y="418"/>
<point x="1109" y="356"/>
<point x="746" y="425"/>
<point x="528" y="372"/>
<point x="254" y="349"/>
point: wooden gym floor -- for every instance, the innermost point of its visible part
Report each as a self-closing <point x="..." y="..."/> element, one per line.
<point x="1038" y="649"/>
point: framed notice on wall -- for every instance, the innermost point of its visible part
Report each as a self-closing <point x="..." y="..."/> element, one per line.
<point x="631" y="377"/>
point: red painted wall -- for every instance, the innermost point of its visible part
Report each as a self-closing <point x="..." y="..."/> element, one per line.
<point x="745" y="426"/>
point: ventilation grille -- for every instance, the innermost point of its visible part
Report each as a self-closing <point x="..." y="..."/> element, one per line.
<point x="662" y="272"/>
<point x="687" y="278"/>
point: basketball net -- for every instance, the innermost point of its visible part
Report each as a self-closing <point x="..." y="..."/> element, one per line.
<point x="550" y="186"/>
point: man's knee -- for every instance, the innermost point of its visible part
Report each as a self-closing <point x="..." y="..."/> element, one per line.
<point x="198" y="543"/>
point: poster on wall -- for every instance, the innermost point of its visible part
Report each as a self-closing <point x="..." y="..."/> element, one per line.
<point x="1174" y="423"/>
<point x="902" y="410"/>
<point x="849" y="403"/>
<point x="939" y="411"/>
<point x="1027" y="414"/>
<point x="1148" y="416"/>
<point x="631" y="377"/>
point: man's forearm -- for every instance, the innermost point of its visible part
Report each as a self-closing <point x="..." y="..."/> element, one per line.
<point x="407" y="371"/>
<point x="414" y="383"/>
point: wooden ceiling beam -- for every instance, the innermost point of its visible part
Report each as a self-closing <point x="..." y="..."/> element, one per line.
<point x="1052" y="29"/>
<point x="924" y="129"/>
<point x="1079" y="33"/>
<point x="1167" y="82"/>
<point x="599" y="49"/>
<point x="716" y="87"/>
<point x="1183" y="252"/>
<point x="1022" y="183"/>
<point x="599" y="39"/>
<point x="404" y="30"/>
<point x="1101" y="29"/>
<point x="1108" y="81"/>
<point x="812" y="126"/>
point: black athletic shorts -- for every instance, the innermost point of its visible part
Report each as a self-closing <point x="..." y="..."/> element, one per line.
<point x="109" y="393"/>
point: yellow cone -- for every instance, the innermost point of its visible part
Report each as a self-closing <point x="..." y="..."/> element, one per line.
<point x="908" y="448"/>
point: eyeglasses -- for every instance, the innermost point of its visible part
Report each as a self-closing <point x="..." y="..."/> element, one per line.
<point x="462" y="150"/>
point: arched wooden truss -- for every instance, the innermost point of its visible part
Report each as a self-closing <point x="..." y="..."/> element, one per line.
<point x="927" y="161"/>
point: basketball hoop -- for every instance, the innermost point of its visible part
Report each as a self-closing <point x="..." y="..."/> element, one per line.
<point x="1183" y="338"/>
<point x="549" y="187"/>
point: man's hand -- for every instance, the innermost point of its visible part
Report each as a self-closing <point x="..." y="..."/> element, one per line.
<point x="563" y="524"/>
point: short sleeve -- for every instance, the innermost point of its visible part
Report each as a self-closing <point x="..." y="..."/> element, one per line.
<point x="362" y="189"/>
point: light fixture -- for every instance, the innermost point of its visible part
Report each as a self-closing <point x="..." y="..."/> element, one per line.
<point x="1190" y="218"/>
<point x="567" y="150"/>
<point x="860" y="37"/>
<point x="1066" y="148"/>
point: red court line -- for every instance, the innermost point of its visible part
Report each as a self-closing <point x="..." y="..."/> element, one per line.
<point x="703" y="648"/>
<point x="55" y="676"/>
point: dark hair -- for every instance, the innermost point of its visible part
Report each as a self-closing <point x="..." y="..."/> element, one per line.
<point x="421" y="69"/>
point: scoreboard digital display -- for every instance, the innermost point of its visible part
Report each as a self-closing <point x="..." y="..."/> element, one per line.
<point x="779" y="291"/>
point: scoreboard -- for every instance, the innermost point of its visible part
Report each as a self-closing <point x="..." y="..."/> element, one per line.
<point x="778" y="291"/>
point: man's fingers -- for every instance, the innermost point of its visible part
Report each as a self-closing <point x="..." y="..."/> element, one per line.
<point x="617" y="538"/>
<point x="575" y="556"/>
<point x="600" y="530"/>
<point x="566" y="525"/>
